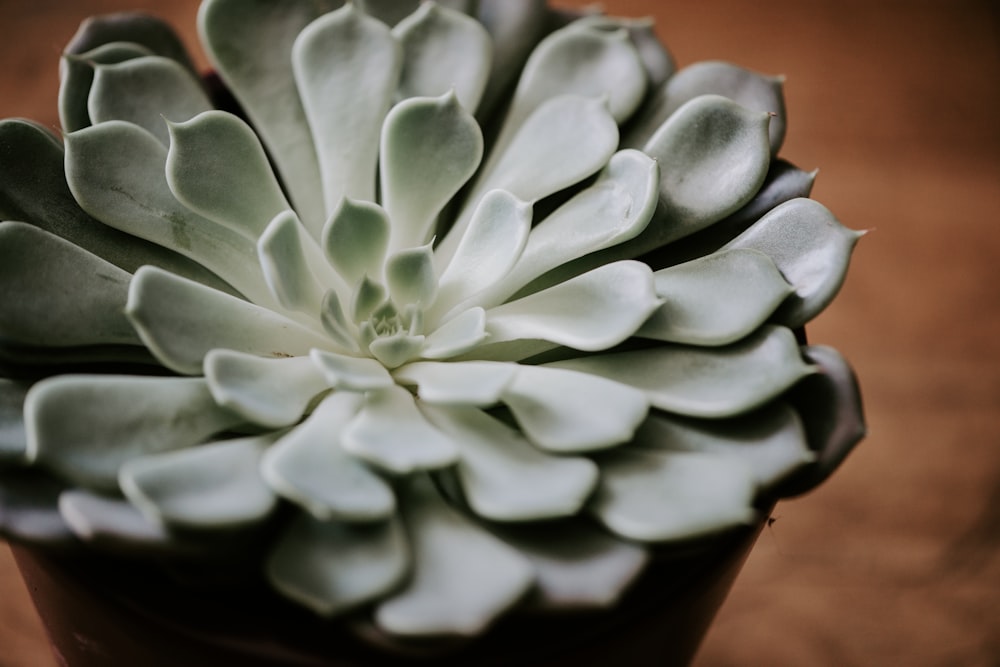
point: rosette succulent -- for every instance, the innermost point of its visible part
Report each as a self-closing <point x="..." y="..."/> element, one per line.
<point x="397" y="285"/>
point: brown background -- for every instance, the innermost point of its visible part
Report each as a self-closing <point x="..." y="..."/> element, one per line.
<point x="895" y="560"/>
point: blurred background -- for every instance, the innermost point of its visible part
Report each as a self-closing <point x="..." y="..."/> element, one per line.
<point x="896" y="559"/>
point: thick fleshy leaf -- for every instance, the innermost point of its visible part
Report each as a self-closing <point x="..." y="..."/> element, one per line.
<point x="76" y="75"/>
<point x="706" y="382"/>
<point x="747" y="88"/>
<point x="146" y="91"/>
<point x="460" y="334"/>
<point x="250" y="44"/>
<point x="443" y="50"/>
<point x="213" y="486"/>
<point x="335" y="323"/>
<point x="218" y="169"/>
<point x="13" y="440"/>
<point x="812" y="250"/>
<point x="57" y="294"/>
<point x="347" y="66"/>
<point x="770" y="441"/>
<point x="453" y="560"/>
<point x="332" y="567"/>
<point x="391" y="433"/>
<point x="294" y="266"/>
<point x="491" y="245"/>
<point x="504" y="477"/>
<point x="714" y="156"/>
<point x="180" y="321"/>
<point x="311" y="468"/>
<point x="479" y="383"/>
<point x="109" y="522"/>
<point x="564" y="141"/>
<point x="594" y="311"/>
<point x="577" y="565"/>
<point x="717" y="299"/>
<point x="29" y="507"/>
<point x="116" y="172"/>
<point x="830" y="405"/>
<point x="651" y="497"/>
<point x="410" y="276"/>
<point x="396" y="350"/>
<point x="355" y="239"/>
<point x="265" y="391"/>
<point x="616" y="208"/>
<point x="85" y="427"/>
<point x="33" y="189"/>
<point x="140" y="28"/>
<point x="430" y="147"/>
<point x="351" y="373"/>
<point x="564" y="411"/>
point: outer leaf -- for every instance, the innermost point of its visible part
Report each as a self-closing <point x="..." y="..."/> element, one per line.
<point x="180" y="321"/>
<point x="217" y="168"/>
<point x="812" y="250"/>
<point x="250" y="44"/>
<point x="714" y="156"/>
<point x="746" y="88"/>
<point x="566" y="140"/>
<point x="771" y="442"/>
<point x="29" y="508"/>
<point x="717" y="299"/>
<point x="443" y="50"/>
<point x="430" y="148"/>
<point x="564" y="411"/>
<point x="577" y="564"/>
<point x="653" y="498"/>
<point x="108" y="522"/>
<point x="268" y="392"/>
<point x="332" y="567"/>
<point x="311" y="468"/>
<point x="146" y="91"/>
<point x="140" y="28"/>
<point x="359" y="374"/>
<point x="504" y="478"/>
<point x="453" y="560"/>
<point x="594" y="311"/>
<point x="57" y="294"/>
<point x="13" y="440"/>
<point x="116" y="172"/>
<point x="391" y="433"/>
<point x="214" y="486"/>
<point x="85" y="427"/>
<point x="346" y="65"/>
<point x="706" y="382"/>
<point x="478" y="383"/>
<point x="76" y="75"/>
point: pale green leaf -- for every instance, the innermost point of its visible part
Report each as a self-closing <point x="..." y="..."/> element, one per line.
<point x="265" y="391"/>
<point x="564" y="411"/>
<point x="443" y="50"/>
<point x="85" y="427"/>
<point x="213" y="486"/>
<point x="311" y="468"/>
<point x="332" y="567"/>
<point x="355" y="239"/>
<point x="217" y="168"/>
<point x="147" y="91"/>
<point x="453" y="560"/>
<point x="148" y="31"/>
<point x="411" y="277"/>
<point x="180" y="321"/>
<point x="294" y="266"/>
<point x="430" y="147"/>
<point x="504" y="477"/>
<point x="706" y="382"/>
<point x="76" y="75"/>
<point x="812" y="250"/>
<point x="716" y="299"/>
<point x="13" y="439"/>
<point x="594" y="311"/>
<point x="391" y="433"/>
<point x="479" y="383"/>
<point x="460" y="334"/>
<point x="110" y="522"/>
<point x="651" y="497"/>
<point x="250" y="44"/>
<point x="351" y="373"/>
<point x="346" y="66"/>
<point x="29" y="507"/>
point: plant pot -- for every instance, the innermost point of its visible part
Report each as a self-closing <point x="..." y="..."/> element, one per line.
<point x="100" y="612"/>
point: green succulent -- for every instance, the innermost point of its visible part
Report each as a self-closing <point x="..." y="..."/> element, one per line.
<point x="436" y="277"/>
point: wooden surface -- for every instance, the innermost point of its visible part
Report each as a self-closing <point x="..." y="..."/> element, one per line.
<point x="895" y="560"/>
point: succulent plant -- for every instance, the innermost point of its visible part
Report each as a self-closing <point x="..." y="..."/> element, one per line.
<point x="436" y="277"/>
